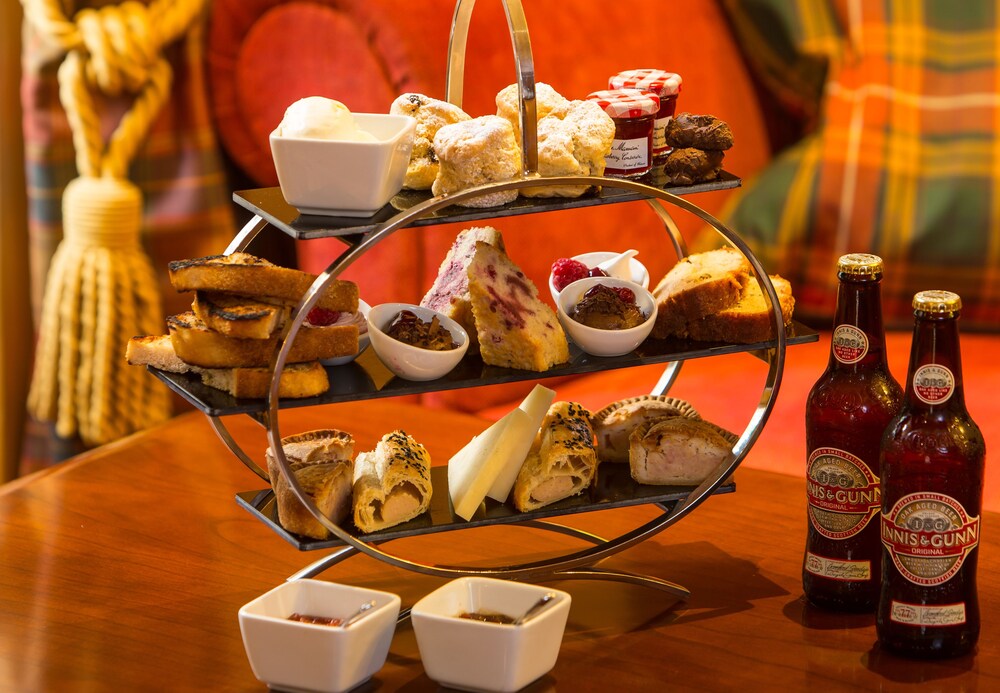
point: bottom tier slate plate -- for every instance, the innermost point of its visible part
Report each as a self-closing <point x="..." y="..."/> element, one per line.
<point x="614" y="488"/>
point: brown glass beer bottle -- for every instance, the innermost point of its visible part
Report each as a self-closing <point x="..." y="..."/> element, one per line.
<point x="932" y="465"/>
<point x="846" y="414"/>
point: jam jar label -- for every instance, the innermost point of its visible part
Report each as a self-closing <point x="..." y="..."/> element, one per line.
<point x="843" y="493"/>
<point x="928" y="536"/>
<point x="660" y="146"/>
<point x="628" y="155"/>
<point x="849" y="344"/>
<point x="933" y="384"/>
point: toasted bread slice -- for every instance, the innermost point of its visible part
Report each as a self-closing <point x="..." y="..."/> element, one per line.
<point x="749" y="320"/>
<point x="200" y="346"/>
<point x="247" y="275"/>
<point x="239" y="316"/>
<point x="297" y="379"/>
<point x="699" y="285"/>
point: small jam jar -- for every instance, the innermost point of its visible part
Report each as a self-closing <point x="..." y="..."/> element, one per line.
<point x="666" y="85"/>
<point x="634" y="112"/>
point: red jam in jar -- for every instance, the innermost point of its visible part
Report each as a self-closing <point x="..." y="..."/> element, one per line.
<point x="666" y="85"/>
<point x="634" y="113"/>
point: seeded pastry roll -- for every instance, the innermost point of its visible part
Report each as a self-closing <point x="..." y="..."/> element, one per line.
<point x="562" y="461"/>
<point x="392" y="483"/>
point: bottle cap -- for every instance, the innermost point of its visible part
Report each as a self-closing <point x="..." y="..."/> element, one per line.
<point x="937" y="302"/>
<point x="860" y="265"/>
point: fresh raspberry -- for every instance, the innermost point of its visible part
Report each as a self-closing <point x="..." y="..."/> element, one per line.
<point x="596" y="272"/>
<point x="321" y="317"/>
<point x="624" y="293"/>
<point x="565" y="271"/>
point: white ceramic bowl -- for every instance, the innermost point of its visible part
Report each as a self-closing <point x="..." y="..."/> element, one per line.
<point x="605" y="342"/>
<point x="291" y="655"/>
<point x="363" y="339"/>
<point x="474" y="655"/>
<point x="351" y="179"/>
<point x="405" y="360"/>
<point x="637" y="271"/>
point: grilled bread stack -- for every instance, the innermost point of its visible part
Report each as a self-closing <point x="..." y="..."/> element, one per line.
<point x="240" y="308"/>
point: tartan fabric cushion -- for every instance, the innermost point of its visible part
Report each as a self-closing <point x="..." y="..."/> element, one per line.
<point x="905" y="162"/>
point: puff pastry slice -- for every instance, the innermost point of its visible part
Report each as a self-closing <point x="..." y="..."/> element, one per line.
<point x="562" y="461"/>
<point x="392" y="483"/>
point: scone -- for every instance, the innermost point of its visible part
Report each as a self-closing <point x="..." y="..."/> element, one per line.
<point x="749" y="320"/>
<point x="476" y="152"/>
<point x="677" y="451"/>
<point x="431" y="115"/>
<point x="515" y="328"/>
<point x="321" y="463"/>
<point x="573" y="144"/>
<point x="450" y="293"/>
<point x="614" y="423"/>
<point x="699" y="285"/>
<point x="547" y="102"/>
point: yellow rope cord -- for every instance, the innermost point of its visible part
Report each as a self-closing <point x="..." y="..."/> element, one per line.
<point x="101" y="288"/>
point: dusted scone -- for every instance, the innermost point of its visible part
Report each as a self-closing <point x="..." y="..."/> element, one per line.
<point x="321" y="463"/>
<point x="547" y="102"/>
<point x="749" y="320"/>
<point x="515" y="328"/>
<point x="431" y="115"/>
<point x="450" y="293"/>
<point x="476" y="152"/>
<point x="614" y="423"/>
<point x="562" y="461"/>
<point x="573" y="144"/>
<point x="392" y="483"/>
<point x="677" y="451"/>
<point x="699" y="285"/>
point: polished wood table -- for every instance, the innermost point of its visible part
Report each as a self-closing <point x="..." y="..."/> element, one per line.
<point x="123" y="570"/>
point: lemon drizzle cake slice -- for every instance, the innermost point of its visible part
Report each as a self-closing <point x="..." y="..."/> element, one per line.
<point x="515" y="328"/>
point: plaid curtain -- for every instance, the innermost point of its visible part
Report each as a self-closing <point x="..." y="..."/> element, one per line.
<point x="905" y="158"/>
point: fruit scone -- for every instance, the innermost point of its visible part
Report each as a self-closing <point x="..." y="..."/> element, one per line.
<point x="431" y="115"/>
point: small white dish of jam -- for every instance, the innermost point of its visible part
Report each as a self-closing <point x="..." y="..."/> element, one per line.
<point x="416" y="343"/>
<point x="295" y="637"/>
<point x="467" y="638"/>
<point x="606" y="316"/>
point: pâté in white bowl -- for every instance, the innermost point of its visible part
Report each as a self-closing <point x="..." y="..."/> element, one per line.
<point x="392" y="325"/>
<point x="465" y="644"/>
<point x="605" y="316"/>
<point x="333" y="162"/>
<point x="295" y="638"/>
<point x="567" y="270"/>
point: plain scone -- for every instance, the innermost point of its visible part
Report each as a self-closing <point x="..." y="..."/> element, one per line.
<point x="515" y="328"/>
<point x="321" y="463"/>
<point x="548" y="102"/>
<point x="574" y="144"/>
<point x="431" y="115"/>
<point x="677" y="451"/>
<point x="476" y="152"/>
<point x="699" y="285"/>
<point x="449" y="295"/>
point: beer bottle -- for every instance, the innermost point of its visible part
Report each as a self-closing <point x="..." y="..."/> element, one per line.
<point x="932" y="465"/>
<point x="846" y="414"/>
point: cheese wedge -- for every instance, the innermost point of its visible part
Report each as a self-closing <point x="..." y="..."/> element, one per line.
<point x="475" y="467"/>
<point x="535" y="405"/>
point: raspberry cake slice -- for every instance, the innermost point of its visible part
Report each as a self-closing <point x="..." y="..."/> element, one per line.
<point x="450" y="293"/>
<point x="515" y="328"/>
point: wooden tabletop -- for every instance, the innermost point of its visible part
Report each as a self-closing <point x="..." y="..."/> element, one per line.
<point x="124" y="569"/>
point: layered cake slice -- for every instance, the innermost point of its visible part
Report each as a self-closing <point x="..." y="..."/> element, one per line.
<point x="515" y="328"/>
<point x="450" y="292"/>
